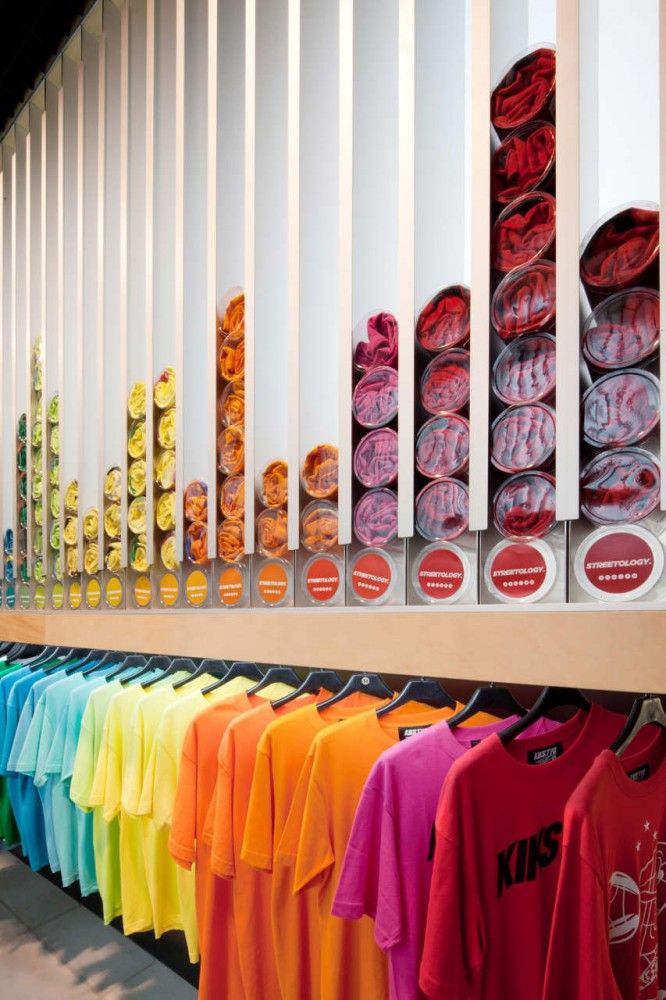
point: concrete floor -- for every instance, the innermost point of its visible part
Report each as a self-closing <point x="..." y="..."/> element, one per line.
<point x="51" y="948"/>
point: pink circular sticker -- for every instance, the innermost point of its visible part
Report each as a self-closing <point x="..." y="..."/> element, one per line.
<point x="371" y="576"/>
<point x="441" y="574"/>
<point x="322" y="579"/>
<point x="518" y="571"/>
<point x="620" y="562"/>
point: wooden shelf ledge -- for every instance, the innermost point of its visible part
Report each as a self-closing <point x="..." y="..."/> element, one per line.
<point x="615" y="650"/>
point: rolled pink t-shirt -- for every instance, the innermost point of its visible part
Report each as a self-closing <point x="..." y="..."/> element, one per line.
<point x="388" y="862"/>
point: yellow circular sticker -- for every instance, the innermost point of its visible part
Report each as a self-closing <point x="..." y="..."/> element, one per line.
<point x="57" y="596"/>
<point x="75" y="595"/>
<point x="40" y="596"/>
<point x="114" y="592"/>
<point x="196" y="588"/>
<point x="93" y="593"/>
<point x="230" y="586"/>
<point x="142" y="591"/>
<point x="169" y="590"/>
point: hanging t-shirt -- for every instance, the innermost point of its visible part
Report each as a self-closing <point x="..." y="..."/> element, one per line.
<point x="251" y="888"/>
<point x="195" y="801"/>
<point x="316" y="835"/>
<point x="609" y="931"/>
<point x="9" y="674"/>
<point x="497" y="860"/>
<point x="388" y="862"/>
<point x="161" y="780"/>
<point x="281" y="753"/>
<point x="106" y="835"/>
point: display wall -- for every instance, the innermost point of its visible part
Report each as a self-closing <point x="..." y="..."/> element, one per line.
<point x="312" y="304"/>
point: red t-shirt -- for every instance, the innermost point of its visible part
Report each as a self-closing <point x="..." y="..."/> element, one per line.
<point x="609" y="931"/>
<point x="497" y="859"/>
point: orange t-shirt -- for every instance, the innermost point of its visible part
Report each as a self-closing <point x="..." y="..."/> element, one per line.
<point x="316" y="835"/>
<point x="251" y="889"/>
<point x="281" y="753"/>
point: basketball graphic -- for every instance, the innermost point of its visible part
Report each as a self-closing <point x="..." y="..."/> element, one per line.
<point x="624" y="908"/>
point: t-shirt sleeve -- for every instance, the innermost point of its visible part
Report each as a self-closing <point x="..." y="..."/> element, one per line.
<point x="453" y="953"/>
<point x="370" y="878"/>
<point x="288" y="845"/>
<point x="183" y="836"/>
<point x="222" y="858"/>
<point x="83" y="770"/>
<point x="257" y="849"/>
<point x="578" y="965"/>
<point x="26" y="753"/>
<point x="315" y="850"/>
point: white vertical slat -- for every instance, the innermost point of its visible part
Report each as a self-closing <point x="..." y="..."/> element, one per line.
<point x="406" y="223"/>
<point x="123" y="207"/>
<point x="43" y="237"/>
<point x="179" y="296"/>
<point x="3" y="334"/>
<point x="61" y="293"/>
<point x="27" y="334"/>
<point x="101" y="195"/>
<point x="567" y="182"/>
<point x="293" y="263"/>
<point x="345" y="234"/>
<point x="480" y="252"/>
<point x="80" y="134"/>
<point x="211" y="272"/>
<point x="662" y="230"/>
<point x="149" y="272"/>
<point x="249" y="263"/>
<point x="13" y="414"/>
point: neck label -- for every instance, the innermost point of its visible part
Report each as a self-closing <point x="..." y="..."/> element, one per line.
<point x="640" y="773"/>
<point x="544" y="754"/>
<point x="404" y="732"/>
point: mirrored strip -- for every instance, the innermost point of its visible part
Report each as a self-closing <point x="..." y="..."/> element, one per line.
<point x="123" y="207"/>
<point x="345" y="237"/>
<point x="211" y="271"/>
<point x="293" y="264"/>
<point x="149" y="197"/>
<point x="250" y="122"/>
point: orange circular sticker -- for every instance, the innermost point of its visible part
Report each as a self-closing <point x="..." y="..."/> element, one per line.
<point x="40" y="596"/>
<point x="75" y="595"/>
<point x="93" y="593"/>
<point x="57" y="596"/>
<point x="272" y="583"/>
<point x="322" y="579"/>
<point x="114" y="592"/>
<point x="196" y="588"/>
<point x="142" y="591"/>
<point x="230" y="586"/>
<point x="169" y="590"/>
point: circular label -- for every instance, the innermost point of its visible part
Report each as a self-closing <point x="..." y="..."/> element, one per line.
<point x="114" y="592"/>
<point x="272" y="583"/>
<point x="93" y="593"/>
<point x="142" y="591"/>
<point x="520" y="571"/>
<point x="40" y="596"/>
<point x="322" y="579"/>
<point x="230" y="586"/>
<point x="196" y="588"/>
<point x="441" y="573"/>
<point x="10" y="596"/>
<point x="75" y="595"/>
<point x="615" y="564"/>
<point x="24" y="595"/>
<point x="371" y="576"/>
<point x="57" y="596"/>
<point x="168" y="589"/>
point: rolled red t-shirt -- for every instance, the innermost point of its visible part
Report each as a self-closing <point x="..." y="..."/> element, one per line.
<point x="497" y="860"/>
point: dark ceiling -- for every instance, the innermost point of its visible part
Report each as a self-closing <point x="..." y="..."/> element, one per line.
<point x="31" y="33"/>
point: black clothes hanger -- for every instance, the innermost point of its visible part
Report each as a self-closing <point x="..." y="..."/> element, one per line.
<point x="127" y="662"/>
<point x="426" y="690"/>
<point x="216" y="668"/>
<point x="153" y="663"/>
<point x="93" y="654"/>
<point x="178" y="664"/>
<point x="240" y="668"/>
<point x="65" y="658"/>
<point x="276" y="675"/>
<point x="111" y="657"/>
<point x="645" y="711"/>
<point x="549" y="699"/>
<point x="23" y="651"/>
<point x="316" y="681"/>
<point x="38" y="658"/>
<point x="491" y="698"/>
<point x="82" y="658"/>
<point x="371" y="684"/>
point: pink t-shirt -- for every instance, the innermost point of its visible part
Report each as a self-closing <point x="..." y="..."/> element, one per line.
<point x="388" y="862"/>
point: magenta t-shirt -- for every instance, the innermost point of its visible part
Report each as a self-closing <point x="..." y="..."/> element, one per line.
<point x="388" y="862"/>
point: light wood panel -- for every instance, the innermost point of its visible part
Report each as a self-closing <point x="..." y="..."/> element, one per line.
<point x="611" y="650"/>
